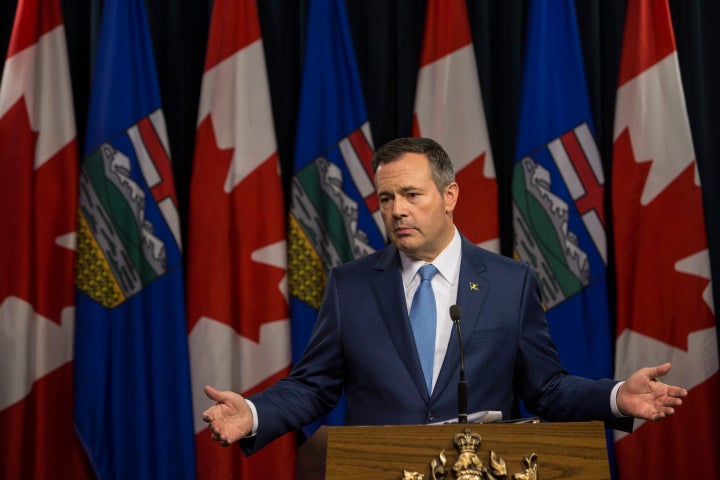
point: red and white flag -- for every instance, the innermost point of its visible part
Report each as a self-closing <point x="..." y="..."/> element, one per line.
<point x="449" y="109"/>
<point x="665" y="307"/>
<point x="38" y="202"/>
<point x="239" y="330"/>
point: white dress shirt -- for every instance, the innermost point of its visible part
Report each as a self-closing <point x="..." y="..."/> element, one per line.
<point x="445" y="287"/>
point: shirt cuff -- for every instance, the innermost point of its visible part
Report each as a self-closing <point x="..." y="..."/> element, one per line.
<point x="255" y="418"/>
<point x="613" y="401"/>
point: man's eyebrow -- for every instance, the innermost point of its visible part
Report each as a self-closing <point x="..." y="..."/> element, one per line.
<point x="401" y="190"/>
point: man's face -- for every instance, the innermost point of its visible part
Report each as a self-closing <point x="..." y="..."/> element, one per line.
<point x="418" y="218"/>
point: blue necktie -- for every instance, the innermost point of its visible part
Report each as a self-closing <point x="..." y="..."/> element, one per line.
<point x="423" y="320"/>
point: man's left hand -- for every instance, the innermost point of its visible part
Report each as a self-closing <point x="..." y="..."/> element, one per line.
<point x="644" y="396"/>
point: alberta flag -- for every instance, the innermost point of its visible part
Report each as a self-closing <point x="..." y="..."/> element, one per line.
<point x="334" y="216"/>
<point x="132" y="382"/>
<point x="557" y="189"/>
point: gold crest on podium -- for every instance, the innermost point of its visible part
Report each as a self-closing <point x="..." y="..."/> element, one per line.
<point x="468" y="465"/>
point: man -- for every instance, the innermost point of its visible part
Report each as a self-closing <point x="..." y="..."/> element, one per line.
<point x="365" y="336"/>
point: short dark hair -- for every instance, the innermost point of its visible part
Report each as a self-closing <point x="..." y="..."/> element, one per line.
<point x="441" y="167"/>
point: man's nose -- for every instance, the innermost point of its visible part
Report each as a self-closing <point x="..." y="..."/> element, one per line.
<point x="399" y="208"/>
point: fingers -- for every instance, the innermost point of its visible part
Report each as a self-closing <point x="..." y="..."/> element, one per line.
<point x="212" y="394"/>
<point x="659" y="371"/>
<point x="209" y="415"/>
<point x="212" y="414"/>
<point x="666" y="405"/>
<point x="216" y="396"/>
<point x="664" y="412"/>
<point x="677" y="392"/>
<point x="218" y="437"/>
<point x="229" y="419"/>
<point x="207" y="418"/>
<point x="659" y="416"/>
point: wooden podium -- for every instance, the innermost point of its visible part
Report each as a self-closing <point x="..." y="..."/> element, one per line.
<point x="564" y="450"/>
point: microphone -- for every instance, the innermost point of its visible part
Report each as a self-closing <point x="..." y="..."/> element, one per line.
<point x="462" y="384"/>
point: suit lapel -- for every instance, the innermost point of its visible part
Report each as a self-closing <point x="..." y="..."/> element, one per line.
<point x="388" y="289"/>
<point x="472" y="291"/>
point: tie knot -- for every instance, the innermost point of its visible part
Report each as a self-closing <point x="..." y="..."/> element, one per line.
<point x="427" y="272"/>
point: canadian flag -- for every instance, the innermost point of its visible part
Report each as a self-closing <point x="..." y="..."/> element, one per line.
<point x="665" y="309"/>
<point x="449" y="109"/>
<point x="237" y="284"/>
<point x="38" y="194"/>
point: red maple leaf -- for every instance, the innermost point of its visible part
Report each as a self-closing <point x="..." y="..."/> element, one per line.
<point x="224" y="282"/>
<point x="38" y="206"/>
<point x="653" y="297"/>
<point x="476" y="215"/>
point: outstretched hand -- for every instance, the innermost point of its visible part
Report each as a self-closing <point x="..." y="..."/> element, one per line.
<point x="644" y="396"/>
<point x="230" y="419"/>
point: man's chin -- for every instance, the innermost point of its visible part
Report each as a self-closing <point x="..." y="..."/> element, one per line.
<point x="406" y="245"/>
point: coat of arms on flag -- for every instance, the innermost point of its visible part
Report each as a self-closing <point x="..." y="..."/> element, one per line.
<point x="125" y="250"/>
<point x="326" y="225"/>
<point x="560" y="248"/>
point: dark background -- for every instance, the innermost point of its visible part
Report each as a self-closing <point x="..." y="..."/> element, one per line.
<point x="387" y="38"/>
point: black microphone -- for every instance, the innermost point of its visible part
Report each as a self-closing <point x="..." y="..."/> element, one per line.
<point x="462" y="384"/>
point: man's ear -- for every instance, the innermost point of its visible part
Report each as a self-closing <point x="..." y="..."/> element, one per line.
<point x="452" y="192"/>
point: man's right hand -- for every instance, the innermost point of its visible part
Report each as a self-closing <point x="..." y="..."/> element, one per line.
<point x="230" y="419"/>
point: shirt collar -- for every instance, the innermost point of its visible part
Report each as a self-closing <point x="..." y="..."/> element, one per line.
<point x="447" y="262"/>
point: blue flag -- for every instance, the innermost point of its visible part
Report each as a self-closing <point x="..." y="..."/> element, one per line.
<point x="558" y="191"/>
<point x="132" y="381"/>
<point x="334" y="216"/>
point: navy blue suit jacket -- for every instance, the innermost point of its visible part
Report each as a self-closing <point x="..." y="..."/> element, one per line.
<point x="363" y="342"/>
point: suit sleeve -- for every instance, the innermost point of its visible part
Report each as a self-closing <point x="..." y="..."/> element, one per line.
<point x="314" y="385"/>
<point x="544" y="385"/>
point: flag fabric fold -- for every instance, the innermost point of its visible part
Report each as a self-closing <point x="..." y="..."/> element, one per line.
<point x="334" y="215"/>
<point x="38" y="193"/>
<point x="133" y="408"/>
<point x="449" y="109"/>
<point x="665" y="305"/>
<point x="238" y="314"/>
<point x="558" y="191"/>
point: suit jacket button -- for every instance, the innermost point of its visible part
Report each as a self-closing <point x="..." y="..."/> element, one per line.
<point x="430" y="417"/>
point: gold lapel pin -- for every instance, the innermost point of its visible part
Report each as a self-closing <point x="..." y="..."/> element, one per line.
<point x="473" y="286"/>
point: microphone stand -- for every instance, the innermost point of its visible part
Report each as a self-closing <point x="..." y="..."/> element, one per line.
<point x="462" y="384"/>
